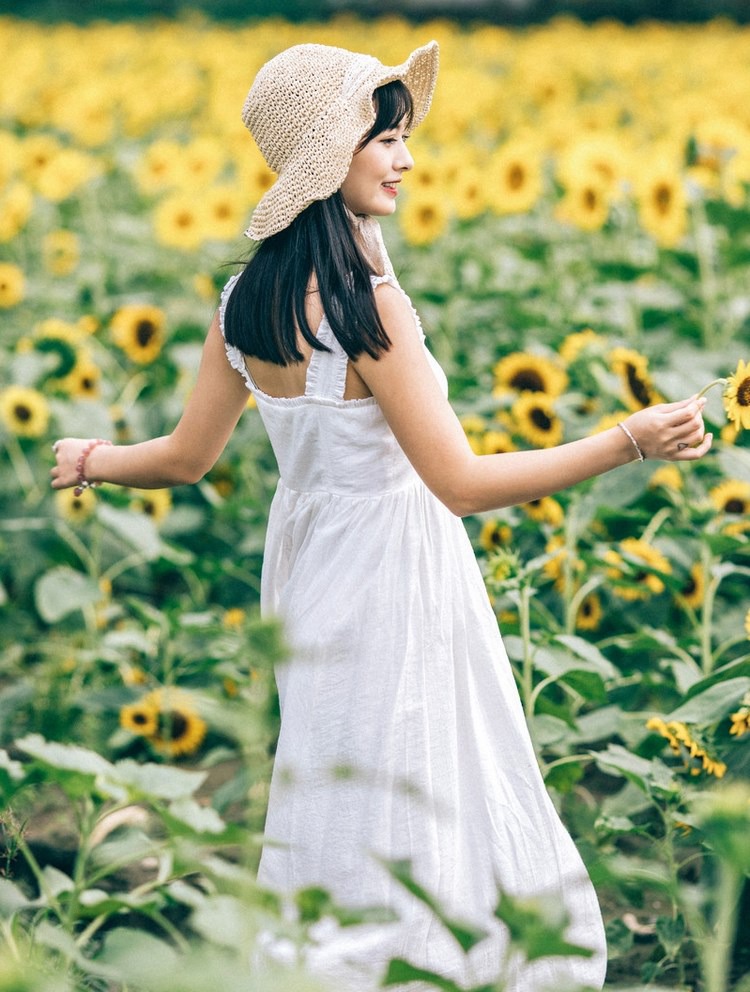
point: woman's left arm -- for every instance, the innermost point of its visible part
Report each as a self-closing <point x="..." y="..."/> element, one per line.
<point x="184" y="456"/>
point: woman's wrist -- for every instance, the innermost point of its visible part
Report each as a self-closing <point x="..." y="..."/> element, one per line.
<point x="635" y="446"/>
<point x="86" y="475"/>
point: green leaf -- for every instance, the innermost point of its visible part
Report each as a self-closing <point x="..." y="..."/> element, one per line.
<point x="12" y="900"/>
<point x="200" y="819"/>
<point x="735" y="463"/>
<point x="135" y="956"/>
<point x="466" y="934"/>
<point x="671" y="934"/>
<point x="400" y="972"/>
<point x="647" y="775"/>
<point x="156" y="781"/>
<point x="713" y="703"/>
<point x="66" y="757"/>
<point x="536" y="926"/>
<point x="619" y="938"/>
<point x="137" y="529"/>
<point x="61" y="591"/>
<point x="587" y="652"/>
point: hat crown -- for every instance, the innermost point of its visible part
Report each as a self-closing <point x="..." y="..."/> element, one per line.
<point x="299" y="85"/>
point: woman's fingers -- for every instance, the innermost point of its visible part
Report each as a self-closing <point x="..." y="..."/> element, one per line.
<point x="690" y="453"/>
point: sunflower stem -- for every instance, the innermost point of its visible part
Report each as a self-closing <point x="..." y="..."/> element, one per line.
<point x="707" y="657"/>
<point x="715" y="382"/>
<point x="527" y="671"/>
<point x="22" y="469"/>
<point x="657" y="520"/>
<point x="705" y="254"/>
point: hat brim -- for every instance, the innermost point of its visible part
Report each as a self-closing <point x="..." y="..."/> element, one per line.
<point x="337" y="133"/>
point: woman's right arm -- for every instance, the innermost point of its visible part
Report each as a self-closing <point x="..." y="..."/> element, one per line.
<point x="432" y="438"/>
<point x="184" y="456"/>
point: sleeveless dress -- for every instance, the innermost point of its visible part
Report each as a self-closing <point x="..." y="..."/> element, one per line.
<point x="402" y="732"/>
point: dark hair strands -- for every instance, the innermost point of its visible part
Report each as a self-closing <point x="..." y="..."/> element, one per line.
<point x="266" y="309"/>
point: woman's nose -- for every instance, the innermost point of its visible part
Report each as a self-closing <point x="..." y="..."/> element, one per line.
<point x="405" y="161"/>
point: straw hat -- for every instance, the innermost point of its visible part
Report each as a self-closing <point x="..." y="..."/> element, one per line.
<point x="308" y="109"/>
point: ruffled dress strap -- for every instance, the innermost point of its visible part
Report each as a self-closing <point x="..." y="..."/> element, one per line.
<point x="391" y="280"/>
<point x="326" y="373"/>
<point x="235" y="356"/>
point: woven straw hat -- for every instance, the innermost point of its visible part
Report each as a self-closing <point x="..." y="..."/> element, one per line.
<point x="308" y="109"/>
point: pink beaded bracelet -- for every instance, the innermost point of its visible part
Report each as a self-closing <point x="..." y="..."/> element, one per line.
<point x="83" y="482"/>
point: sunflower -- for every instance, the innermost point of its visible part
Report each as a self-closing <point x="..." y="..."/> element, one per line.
<point x="526" y="373"/>
<point x="632" y="368"/>
<point x="580" y="341"/>
<point x="737" y="396"/>
<point x="154" y="503"/>
<point x="609" y="420"/>
<point x="200" y="162"/>
<point x="590" y="612"/>
<point x="514" y="177"/>
<point x="536" y="420"/>
<point x="740" y="721"/>
<point x="545" y="510"/>
<point x="662" y="204"/>
<point x="141" y="718"/>
<point x="554" y="567"/>
<point x="180" y="729"/>
<point x="178" y="222"/>
<point x="139" y="331"/>
<point x="75" y="508"/>
<point x="585" y="205"/>
<point x="683" y="744"/>
<point x="474" y="429"/>
<point x="83" y="382"/>
<point x="158" y="168"/>
<point x="423" y="219"/>
<point x="12" y="285"/>
<point x="61" y="252"/>
<point x="468" y="193"/>
<point x="495" y="443"/>
<point x="16" y="203"/>
<point x="667" y="477"/>
<point x="694" y="590"/>
<point x="494" y="534"/>
<point x="223" y="214"/>
<point x="234" y="617"/>
<point x="731" y="496"/>
<point x="633" y="569"/>
<point x="24" y="411"/>
<point x="64" y="174"/>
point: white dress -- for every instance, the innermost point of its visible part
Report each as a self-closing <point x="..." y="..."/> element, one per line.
<point x="402" y="732"/>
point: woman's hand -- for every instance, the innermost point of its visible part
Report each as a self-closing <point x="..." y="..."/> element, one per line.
<point x="671" y="431"/>
<point x="67" y="451"/>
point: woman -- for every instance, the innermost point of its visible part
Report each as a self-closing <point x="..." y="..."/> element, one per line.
<point x="402" y="733"/>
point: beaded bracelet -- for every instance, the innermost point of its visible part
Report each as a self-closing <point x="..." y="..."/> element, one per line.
<point x="83" y="482"/>
<point x="638" y="448"/>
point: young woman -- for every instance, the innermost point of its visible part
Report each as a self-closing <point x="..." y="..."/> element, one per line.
<point x="402" y="733"/>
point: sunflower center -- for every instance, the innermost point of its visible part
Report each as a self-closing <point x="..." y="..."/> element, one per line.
<point x="743" y="392"/>
<point x="140" y="719"/>
<point x="22" y="413"/>
<point x="735" y="505"/>
<point x="587" y="608"/>
<point x="144" y="332"/>
<point x="528" y="380"/>
<point x="540" y="419"/>
<point x="690" y="587"/>
<point x="515" y="176"/>
<point x="638" y="387"/>
<point x="427" y="215"/>
<point x="176" y="725"/>
<point x="590" y="199"/>
<point x="663" y="198"/>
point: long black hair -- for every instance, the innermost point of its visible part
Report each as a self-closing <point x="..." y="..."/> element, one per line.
<point x="267" y="306"/>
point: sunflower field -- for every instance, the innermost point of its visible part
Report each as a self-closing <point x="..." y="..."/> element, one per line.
<point x="576" y="237"/>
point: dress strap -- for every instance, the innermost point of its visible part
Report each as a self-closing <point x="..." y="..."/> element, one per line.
<point x="326" y="371"/>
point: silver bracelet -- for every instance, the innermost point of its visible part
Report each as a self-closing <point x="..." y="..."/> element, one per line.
<point x="638" y="448"/>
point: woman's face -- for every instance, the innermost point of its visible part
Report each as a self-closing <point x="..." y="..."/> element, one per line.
<point x="371" y="185"/>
